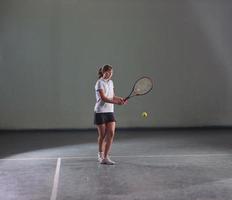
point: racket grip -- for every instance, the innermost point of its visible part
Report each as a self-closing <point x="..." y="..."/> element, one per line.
<point x="126" y="98"/>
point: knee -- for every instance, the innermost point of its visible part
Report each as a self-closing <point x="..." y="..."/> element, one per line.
<point x="101" y="137"/>
<point x="110" y="134"/>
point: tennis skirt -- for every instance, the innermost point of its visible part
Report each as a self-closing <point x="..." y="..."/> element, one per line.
<point x="102" y="118"/>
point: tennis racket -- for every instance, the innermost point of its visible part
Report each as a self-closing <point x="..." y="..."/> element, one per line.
<point x="141" y="87"/>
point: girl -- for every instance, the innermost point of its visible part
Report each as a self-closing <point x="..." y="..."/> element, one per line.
<point x="104" y="113"/>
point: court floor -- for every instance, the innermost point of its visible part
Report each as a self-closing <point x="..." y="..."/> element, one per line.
<point x="158" y="164"/>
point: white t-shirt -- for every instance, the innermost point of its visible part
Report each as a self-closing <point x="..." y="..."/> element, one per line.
<point x="108" y="88"/>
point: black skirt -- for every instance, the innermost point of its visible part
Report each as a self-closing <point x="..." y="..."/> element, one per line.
<point x="103" y="118"/>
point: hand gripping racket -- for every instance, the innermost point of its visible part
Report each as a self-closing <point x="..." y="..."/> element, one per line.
<point x="141" y="87"/>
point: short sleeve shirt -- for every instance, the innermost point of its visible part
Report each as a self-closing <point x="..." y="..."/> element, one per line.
<point x="108" y="88"/>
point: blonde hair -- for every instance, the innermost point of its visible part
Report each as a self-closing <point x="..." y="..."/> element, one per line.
<point x="103" y="69"/>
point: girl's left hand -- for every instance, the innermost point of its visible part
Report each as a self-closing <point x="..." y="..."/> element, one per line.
<point x="123" y="102"/>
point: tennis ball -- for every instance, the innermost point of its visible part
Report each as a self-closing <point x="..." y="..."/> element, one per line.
<point x="144" y="114"/>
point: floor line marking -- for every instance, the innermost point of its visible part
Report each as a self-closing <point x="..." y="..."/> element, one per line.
<point x="151" y="156"/>
<point x="56" y="180"/>
<point x="119" y="156"/>
<point x="38" y="158"/>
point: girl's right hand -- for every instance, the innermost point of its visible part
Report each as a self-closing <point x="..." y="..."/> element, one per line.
<point x="121" y="101"/>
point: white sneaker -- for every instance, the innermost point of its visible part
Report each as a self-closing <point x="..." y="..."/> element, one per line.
<point x="107" y="161"/>
<point x="100" y="156"/>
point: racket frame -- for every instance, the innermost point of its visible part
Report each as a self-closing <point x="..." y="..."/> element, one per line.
<point x="130" y="95"/>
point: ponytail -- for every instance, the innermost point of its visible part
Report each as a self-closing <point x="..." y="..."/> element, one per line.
<point x="100" y="72"/>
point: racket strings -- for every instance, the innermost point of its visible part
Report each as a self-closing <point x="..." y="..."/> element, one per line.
<point x="143" y="86"/>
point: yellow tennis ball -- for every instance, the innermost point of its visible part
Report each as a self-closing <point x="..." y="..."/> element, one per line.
<point x="144" y="114"/>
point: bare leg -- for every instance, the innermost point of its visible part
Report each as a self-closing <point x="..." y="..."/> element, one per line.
<point x="110" y="131"/>
<point x="101" y="136"/>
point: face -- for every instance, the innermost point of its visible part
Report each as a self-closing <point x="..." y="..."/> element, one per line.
<point x="108" y="74"/>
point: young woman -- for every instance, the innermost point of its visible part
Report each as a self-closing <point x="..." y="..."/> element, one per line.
<point x="104" y="113"/>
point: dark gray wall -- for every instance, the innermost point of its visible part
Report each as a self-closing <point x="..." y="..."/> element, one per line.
<point x="50" y="51"/>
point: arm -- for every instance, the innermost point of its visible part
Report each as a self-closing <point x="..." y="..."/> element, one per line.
<point x="114" y="100"/>
<point x="119" y="99"/>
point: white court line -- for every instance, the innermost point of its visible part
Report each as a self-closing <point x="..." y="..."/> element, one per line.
<point x="174" y="155"/>
<point x="152" y="156"/>
<point x="38" y="158"/>
<point x="56" y="180"/>
<point x="122" y="156"/>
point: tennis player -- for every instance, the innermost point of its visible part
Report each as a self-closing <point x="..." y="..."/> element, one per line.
<point x="104" y="113"/>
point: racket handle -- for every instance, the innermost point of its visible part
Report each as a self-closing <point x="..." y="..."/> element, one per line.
<point x="126" y="98"/>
